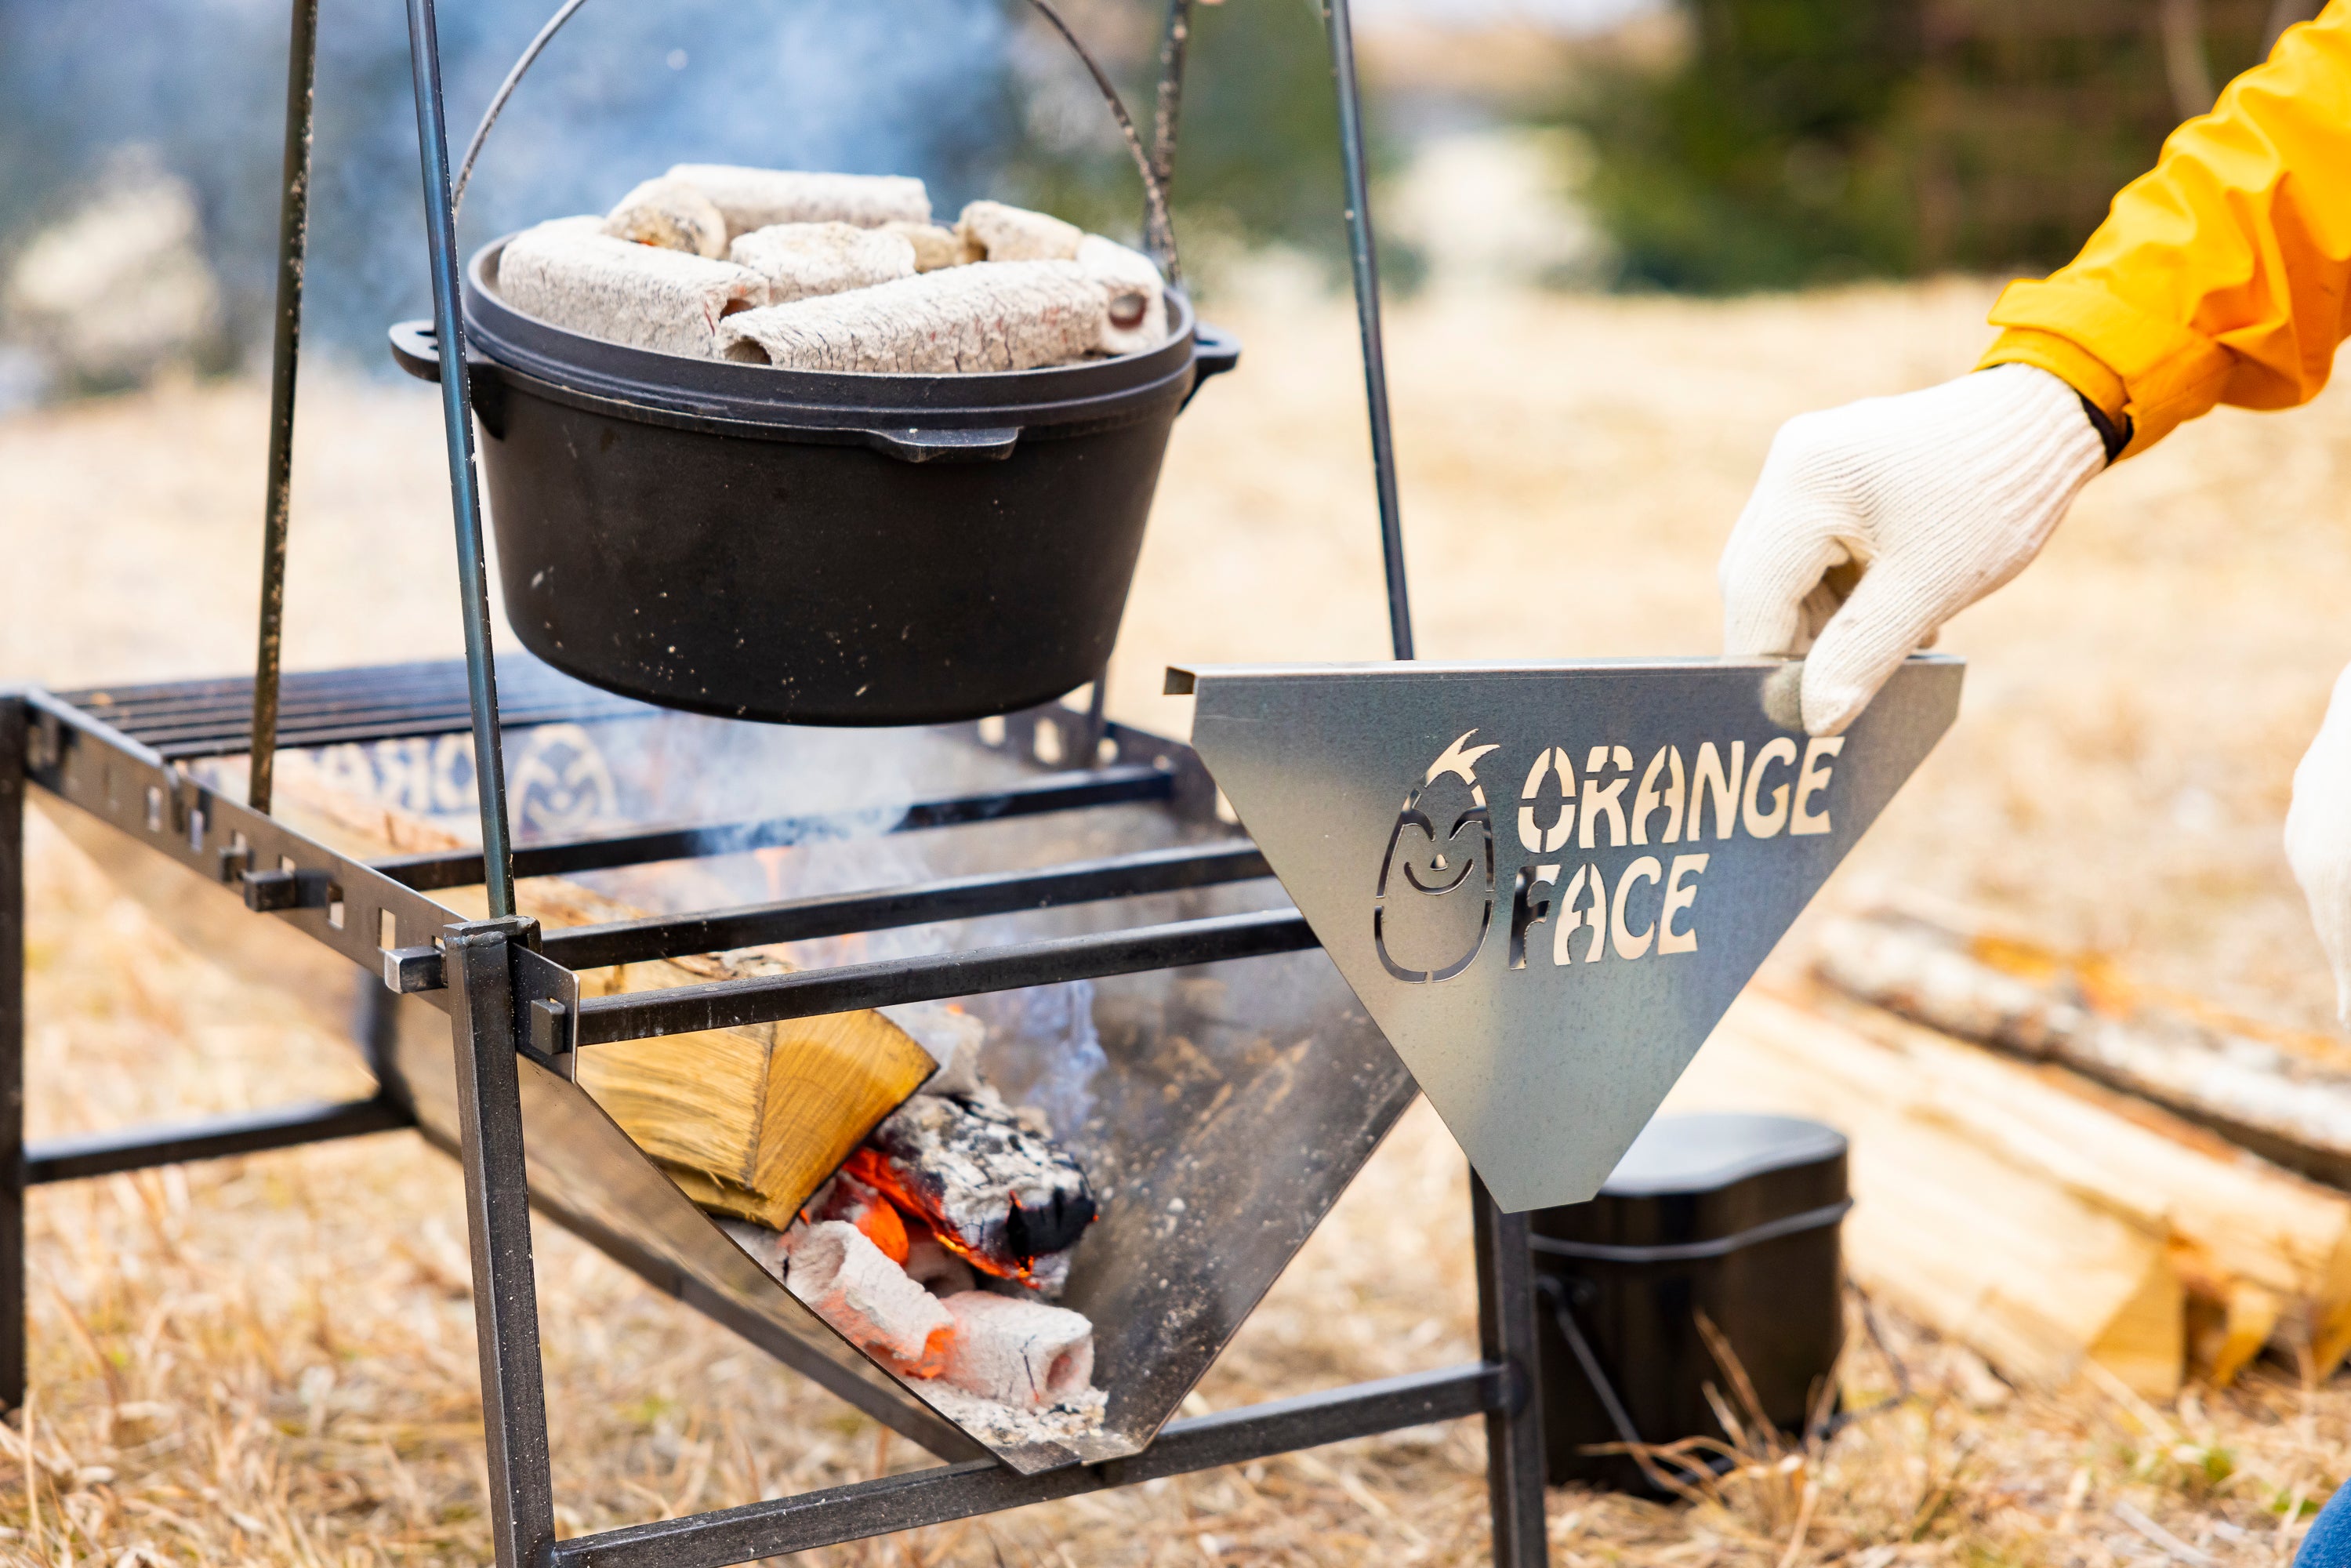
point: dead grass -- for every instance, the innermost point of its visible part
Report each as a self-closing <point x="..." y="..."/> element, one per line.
<point x="270" y="1360"/>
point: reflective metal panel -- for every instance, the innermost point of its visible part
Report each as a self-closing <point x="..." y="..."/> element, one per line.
<point x="1547" y="881"/>
<point x="1219" y="1110"/>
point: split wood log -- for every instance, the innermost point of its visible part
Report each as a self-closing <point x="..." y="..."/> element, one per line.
<point x="570" y="274"/>
<point x="2282" y="1093"/>
<point x="2037" y="1279"/>
<point x="801" y="261"/>
<point x="748" y="1122"/>
<point x="2262" y="1255"/>
<point x="760" y="198"/>
<point x="992" y="316"/>
<point x="672" y="214"/>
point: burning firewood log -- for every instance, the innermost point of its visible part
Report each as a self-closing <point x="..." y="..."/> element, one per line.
<point x="995" y="1191"/>
<point x="1014" y="316"/>
<point x="574" y="276"/>
<point x="851" y="1201"/>
<point x="801" y="261"/>
<point x="1001" y="232"/>
<point x="672" y="214"/>
<point x="760" y="198"/>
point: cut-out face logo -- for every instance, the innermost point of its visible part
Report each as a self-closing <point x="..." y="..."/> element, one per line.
<point x="1434" y="901"/>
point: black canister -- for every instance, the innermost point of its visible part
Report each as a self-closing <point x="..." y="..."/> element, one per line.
<point x="1735" y="1217"/>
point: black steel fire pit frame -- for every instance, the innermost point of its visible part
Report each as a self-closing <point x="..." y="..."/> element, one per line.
<point x="511" y="990"/>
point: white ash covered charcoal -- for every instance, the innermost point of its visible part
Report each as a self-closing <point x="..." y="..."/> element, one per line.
<point x="761" y="198"/>
<point x="1022" y="1354"/>
<point x="1013" y="316"/>
<point x="801" y="261"/>
<point x="935" y="244"/>
<point x="638" y="295"/>
<point x="1002" y="233"/>
<point x="845" y="1279"/>
<point x="935" y="1268"/>
<point x="1132" y="292"/>
<point x="995" y="1190"/>
<point x="672" y="214"/>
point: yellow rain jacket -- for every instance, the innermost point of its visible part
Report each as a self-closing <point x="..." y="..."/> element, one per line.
<point x="2223" y="275"/>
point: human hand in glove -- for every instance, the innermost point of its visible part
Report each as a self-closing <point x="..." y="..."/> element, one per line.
<point x="1875" y="523"/>
<point x="2318" y="838"/>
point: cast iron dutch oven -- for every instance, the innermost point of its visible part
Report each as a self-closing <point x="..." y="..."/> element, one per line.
<point x="806" y="547"/>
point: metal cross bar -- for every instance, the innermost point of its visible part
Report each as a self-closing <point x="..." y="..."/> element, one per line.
<point x="89" y="1155"/>
<point x="1055" y="792"/>
<point x="945" y="1492"/>
<point x="916" y="904"/>
<point x="769" y="998"/>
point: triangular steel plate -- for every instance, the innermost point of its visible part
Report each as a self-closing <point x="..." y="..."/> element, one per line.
<point x="1547" y="881"/>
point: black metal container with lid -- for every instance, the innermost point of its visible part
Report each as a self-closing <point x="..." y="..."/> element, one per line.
<point x="814" y="546"/>
<point x="1732" y="1216"/>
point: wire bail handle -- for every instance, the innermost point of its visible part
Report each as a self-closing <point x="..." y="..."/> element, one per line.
<point x="1157" y="224"/>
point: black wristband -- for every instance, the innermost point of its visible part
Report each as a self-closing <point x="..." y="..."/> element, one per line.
<point x="2114" y="436"/>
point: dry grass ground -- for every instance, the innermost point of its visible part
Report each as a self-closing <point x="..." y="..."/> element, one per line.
<point x="270" y="1360"/>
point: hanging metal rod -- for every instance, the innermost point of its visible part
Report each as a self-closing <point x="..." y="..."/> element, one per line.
<point x="286" y="351"/>
<point x="457" y="432"/>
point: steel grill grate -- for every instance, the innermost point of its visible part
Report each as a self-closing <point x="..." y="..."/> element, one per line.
<point x="184" y="721"/>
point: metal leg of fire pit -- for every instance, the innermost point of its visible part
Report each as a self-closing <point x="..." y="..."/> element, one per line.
<point x="497" y="1229"/>
<point x="1506" y="1334"/>
<point x="12" y="1053"/>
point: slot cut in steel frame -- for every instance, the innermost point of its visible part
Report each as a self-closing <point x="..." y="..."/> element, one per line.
<point x="512" y="992"/>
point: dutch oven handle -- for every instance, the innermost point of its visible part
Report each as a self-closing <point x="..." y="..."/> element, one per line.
<point x="1214" y="351"/>
<point x="416" y="349"/>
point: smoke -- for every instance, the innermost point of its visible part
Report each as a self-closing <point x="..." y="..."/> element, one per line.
<point x="567" y="779"/>
<point x="917" y="87"/>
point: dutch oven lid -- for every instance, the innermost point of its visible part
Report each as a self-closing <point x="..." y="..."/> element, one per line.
<point x="577" y="369"/>
<point x="1678" y="1155"/>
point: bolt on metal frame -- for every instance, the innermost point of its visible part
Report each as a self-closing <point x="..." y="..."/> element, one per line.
<point x="512" y="991"/>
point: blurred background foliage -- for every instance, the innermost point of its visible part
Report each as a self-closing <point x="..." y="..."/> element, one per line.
<point x="111" y="106"/>
<point x="1701" y="145"/>
<point x="1800" y="142"/>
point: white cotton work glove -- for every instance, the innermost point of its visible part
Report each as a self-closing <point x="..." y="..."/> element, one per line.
<point x="1875" y="523"/>
<point x="2318" y="838"/>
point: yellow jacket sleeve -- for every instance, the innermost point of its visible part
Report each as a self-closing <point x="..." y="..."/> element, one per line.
<point x="2223" y="275"/>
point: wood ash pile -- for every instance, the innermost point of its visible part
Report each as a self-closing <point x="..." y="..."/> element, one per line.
<point x="940" y="1248"/>
<point x="834" y="272"/>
